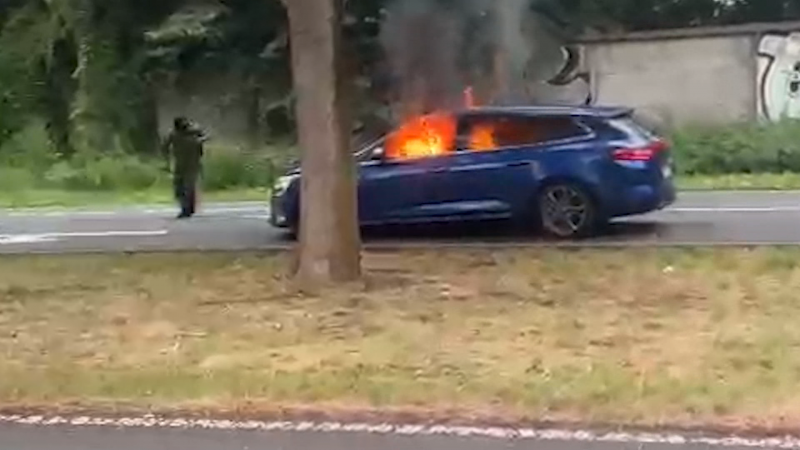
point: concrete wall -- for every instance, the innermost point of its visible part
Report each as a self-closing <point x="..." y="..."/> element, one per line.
<point x="678" y="81"/>
<point x="705" y="75"/>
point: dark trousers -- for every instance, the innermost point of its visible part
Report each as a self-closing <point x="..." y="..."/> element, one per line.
<point x="185" y="186"/>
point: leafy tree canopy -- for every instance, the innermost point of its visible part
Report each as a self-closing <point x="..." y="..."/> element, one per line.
<point x="87" y="67"/>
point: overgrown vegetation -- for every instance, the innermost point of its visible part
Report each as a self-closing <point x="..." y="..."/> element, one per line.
<point x="29" y="162"/>
<point x="742" y="148"/>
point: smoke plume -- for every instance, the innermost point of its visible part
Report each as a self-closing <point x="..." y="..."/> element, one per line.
<point x="435" y="49"/>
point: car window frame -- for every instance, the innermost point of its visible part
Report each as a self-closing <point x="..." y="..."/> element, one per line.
<point x="361" y="155"/>
<point x="465" y="125"/>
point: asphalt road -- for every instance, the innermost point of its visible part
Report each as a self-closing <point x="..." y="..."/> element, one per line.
<point x="313" y="437"/>
<point x="697" y="218"/>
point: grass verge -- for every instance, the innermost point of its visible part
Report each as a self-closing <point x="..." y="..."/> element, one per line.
<point x="59" y="198"/>
<point x="740" y="182"/>
<point x="642" y="336"/>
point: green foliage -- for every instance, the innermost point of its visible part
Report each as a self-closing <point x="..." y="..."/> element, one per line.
<point x="84" y="71"/>
<point x="738" y="148"/>
<point x="29" y="149"/>
<point x="233" y="167"/>
<point x="15" y="179"/>
<point x="25" y="45"/>
<point x="104" y="173"/>
<point x="28" y="161"/>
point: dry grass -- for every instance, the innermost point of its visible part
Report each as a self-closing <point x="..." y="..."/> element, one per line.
<point x="635" y="335"/>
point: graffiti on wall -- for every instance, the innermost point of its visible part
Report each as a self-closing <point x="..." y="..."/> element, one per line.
<point x="573" y="78"/>
<point x="569" y="82"/>
<point x="779" y="76"/>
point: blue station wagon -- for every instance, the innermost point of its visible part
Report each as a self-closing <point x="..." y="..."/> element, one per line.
<point x="564" y="170"/>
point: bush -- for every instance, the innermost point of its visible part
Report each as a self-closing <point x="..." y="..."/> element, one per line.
<point x="104" y="173"/>
<point x="230" y="167"/>
<point x="29" y="149"/>
<point x="15" y="179"/>
<point x="738" y="148"/>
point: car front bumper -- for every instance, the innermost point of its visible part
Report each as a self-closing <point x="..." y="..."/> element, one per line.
<point x="277" y="214"/>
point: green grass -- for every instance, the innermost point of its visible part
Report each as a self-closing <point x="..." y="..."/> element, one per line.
<point x="42" y="198"/>
<point x="650" y="337"/>
<point x="764" y="181"/>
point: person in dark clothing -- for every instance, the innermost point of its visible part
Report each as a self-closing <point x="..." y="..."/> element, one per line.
<point x="183" y="149"/>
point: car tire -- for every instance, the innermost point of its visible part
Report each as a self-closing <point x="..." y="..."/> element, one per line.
<point x="567" y="211"/>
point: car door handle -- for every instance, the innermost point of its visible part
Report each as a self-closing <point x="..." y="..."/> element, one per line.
<point x="518" y="163"/>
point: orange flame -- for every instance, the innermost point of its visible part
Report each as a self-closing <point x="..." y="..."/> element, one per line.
<point x="424" y="136"/>
<point x="482" y="137"/>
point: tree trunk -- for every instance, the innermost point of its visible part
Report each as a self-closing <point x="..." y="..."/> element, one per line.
<point x="254" y="93"/>
<point x="329" y="241"/>
<point x="93" y="112"/>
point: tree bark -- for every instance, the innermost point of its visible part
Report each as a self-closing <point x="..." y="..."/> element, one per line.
<point x="329" y="243"/>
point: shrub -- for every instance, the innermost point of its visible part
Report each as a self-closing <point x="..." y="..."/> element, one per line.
<point x="738" y="148"/>
<point x="230" y="167"/>
<point x="15" y="179"/>
<point x="30" y="149"/>
<point x="104" y="173"/>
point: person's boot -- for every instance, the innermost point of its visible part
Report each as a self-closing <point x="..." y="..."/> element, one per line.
<point x="185" y="211"/>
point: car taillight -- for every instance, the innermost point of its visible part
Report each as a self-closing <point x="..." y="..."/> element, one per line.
<point x="645" y="153"/>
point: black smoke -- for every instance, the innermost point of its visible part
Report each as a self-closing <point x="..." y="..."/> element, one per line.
<point x="434" y="49"/>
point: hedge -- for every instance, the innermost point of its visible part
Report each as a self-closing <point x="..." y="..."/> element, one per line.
<point x="738" y="148"/>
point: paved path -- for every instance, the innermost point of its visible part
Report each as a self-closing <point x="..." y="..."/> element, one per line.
<point x="288" y="436"/>
<point x="697" y="218"/>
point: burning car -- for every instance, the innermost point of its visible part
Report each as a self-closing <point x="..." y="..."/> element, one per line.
<point x="565" y="170"/>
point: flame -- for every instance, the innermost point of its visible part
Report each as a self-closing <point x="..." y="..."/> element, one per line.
<point x="423" y="136"/>
<point x="482" y="137"/>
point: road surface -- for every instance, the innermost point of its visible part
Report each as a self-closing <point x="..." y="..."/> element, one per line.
<point x="121" y="435"/>
<point x="697" y="218"/>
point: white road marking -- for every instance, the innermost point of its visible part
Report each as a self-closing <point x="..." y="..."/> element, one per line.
<point x="256" y="216"/>
<point x="33" y="238"/>
<point x="734" y="209"/>
<point x="24" y="239"/>
<point x="211" y="210"/>
<point x="151" y="421"/>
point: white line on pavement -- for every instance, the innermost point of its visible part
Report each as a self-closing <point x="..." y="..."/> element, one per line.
<point x="149" y="210"/>
<point x="31" y="238"/>
<point x="407" y="430"/>
<point x="734" y="209"/>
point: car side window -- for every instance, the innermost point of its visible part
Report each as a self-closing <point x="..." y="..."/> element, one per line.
<point x="498" y="132"/>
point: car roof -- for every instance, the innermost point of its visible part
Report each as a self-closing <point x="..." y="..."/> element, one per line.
<point x="605" y="112"/>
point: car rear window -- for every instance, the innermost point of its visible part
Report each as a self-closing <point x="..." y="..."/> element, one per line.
<point x="630" y="127"/>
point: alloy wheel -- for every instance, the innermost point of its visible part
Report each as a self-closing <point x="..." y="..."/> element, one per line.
<point x="566" y="210"/>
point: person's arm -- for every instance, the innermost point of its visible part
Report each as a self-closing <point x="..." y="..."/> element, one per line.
<point x="202" y="135"/>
